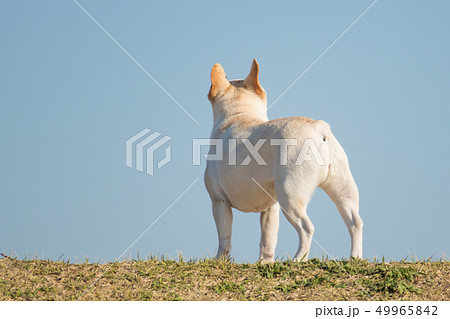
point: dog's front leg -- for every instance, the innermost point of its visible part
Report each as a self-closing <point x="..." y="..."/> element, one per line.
<point x="223" y="217"/>
<point x="270" y="220"/>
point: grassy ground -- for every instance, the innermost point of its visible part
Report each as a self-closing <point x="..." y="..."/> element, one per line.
<point x="159" y="279"/>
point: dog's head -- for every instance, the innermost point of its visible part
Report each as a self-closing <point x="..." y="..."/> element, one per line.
<point x="231" y="94"/>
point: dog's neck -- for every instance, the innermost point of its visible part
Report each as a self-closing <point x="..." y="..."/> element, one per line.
<point x="223" y="115"/>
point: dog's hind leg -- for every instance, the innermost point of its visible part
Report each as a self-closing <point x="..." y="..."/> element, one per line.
<point x="293" y="197"/>
<point x="269" y="220"/>
<point x="341" y="188"/>
<point x="223" y="216"/>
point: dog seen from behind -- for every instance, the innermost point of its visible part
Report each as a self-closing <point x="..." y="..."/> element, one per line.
<point x="267" y="165"/>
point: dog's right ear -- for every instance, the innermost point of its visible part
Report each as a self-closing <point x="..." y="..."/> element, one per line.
<point x="219" y="82"/>
<point x="252" y="80"/>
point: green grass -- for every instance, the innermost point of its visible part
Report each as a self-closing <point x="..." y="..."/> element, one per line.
<point x="165" y="279"/>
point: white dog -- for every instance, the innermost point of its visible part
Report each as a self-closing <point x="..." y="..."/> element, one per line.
<point x="283" y="172"/>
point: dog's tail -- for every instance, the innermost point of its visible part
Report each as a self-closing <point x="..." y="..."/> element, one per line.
<point x="337" y="163"/>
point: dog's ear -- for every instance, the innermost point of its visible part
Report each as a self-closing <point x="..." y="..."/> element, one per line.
<point x="252" y="79"/>
<point x="219" y="82"/>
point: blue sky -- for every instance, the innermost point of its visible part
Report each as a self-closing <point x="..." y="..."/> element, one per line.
<point x="71" y="98"/>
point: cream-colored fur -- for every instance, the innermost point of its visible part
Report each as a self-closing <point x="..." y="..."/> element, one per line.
<point x="239" y="109"/>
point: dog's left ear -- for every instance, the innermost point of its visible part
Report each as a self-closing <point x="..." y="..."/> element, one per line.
<point x="252" y="81"/>
<point x="219" y="82"/>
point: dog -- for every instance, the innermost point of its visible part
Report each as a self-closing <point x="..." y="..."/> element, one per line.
<point x="274" y="178"/>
